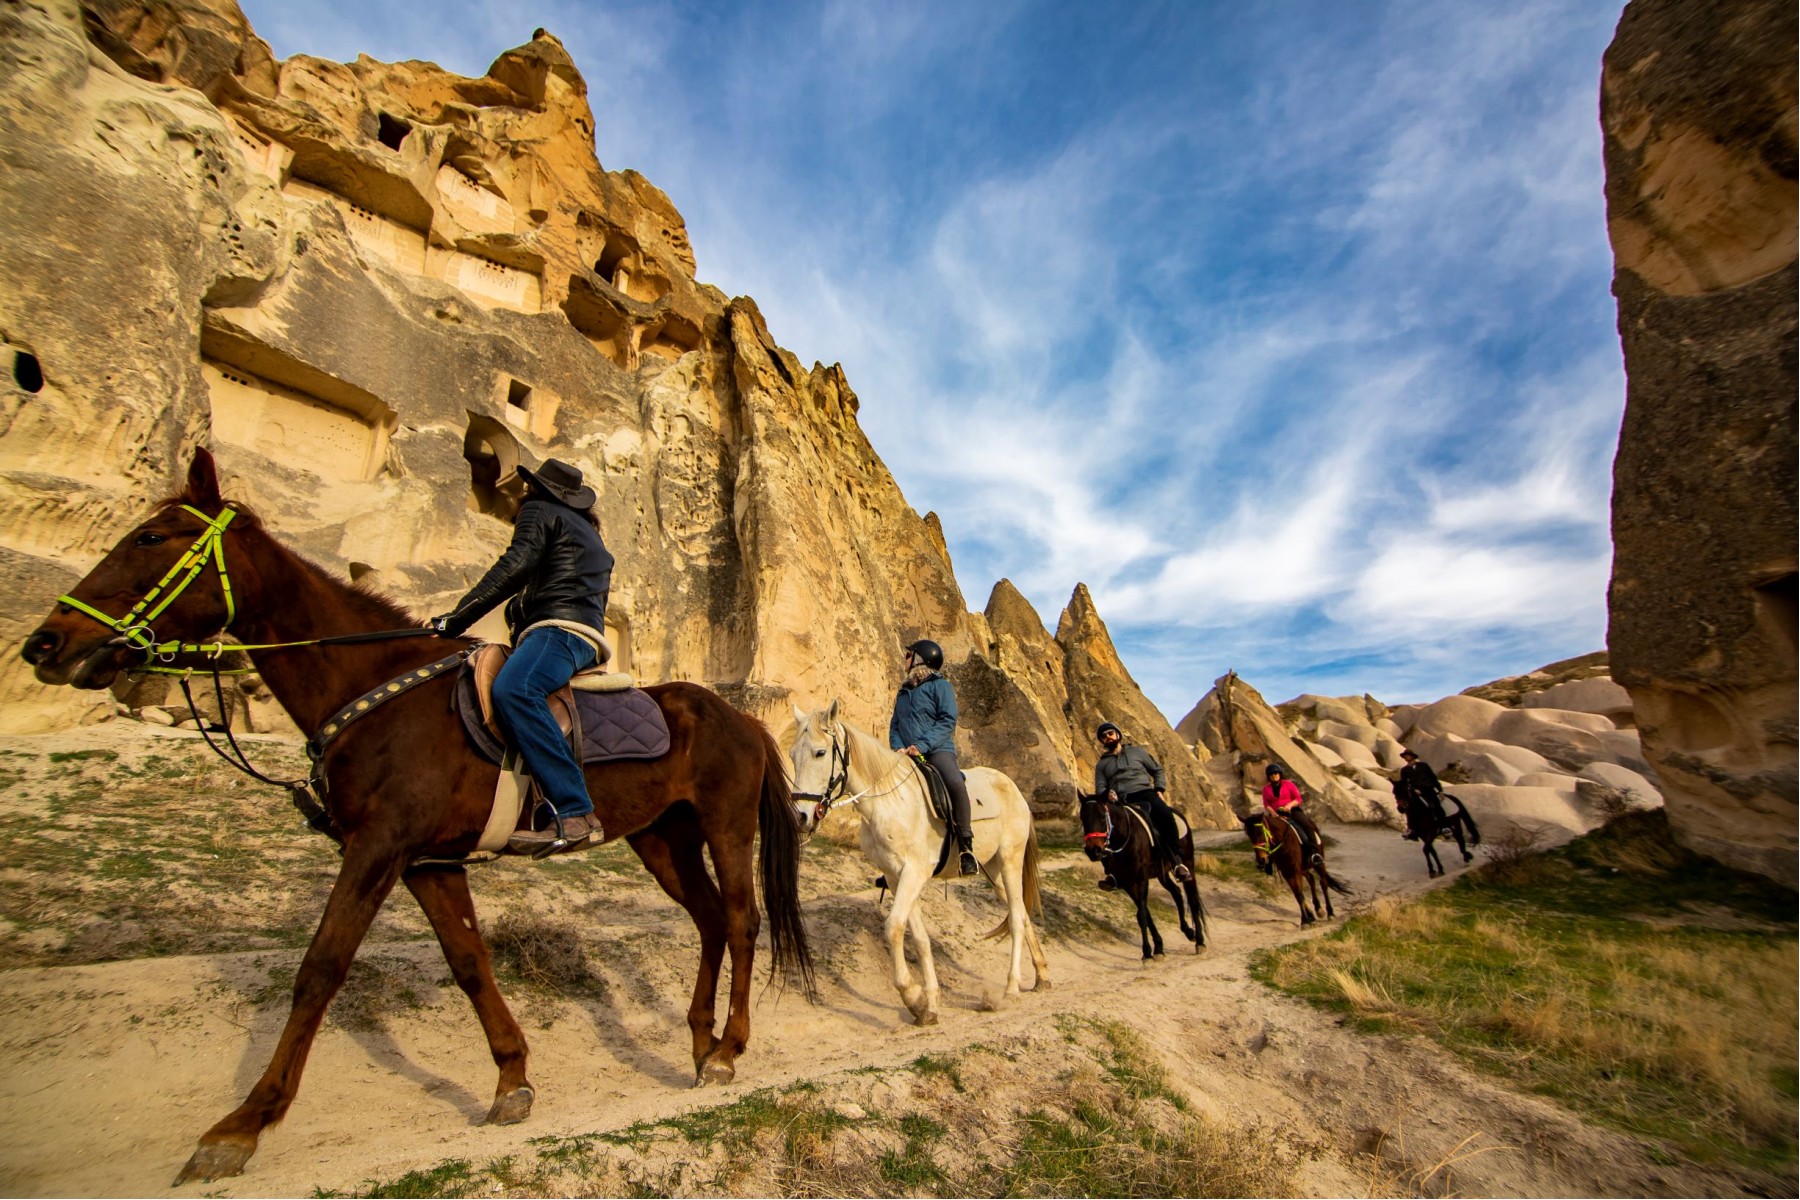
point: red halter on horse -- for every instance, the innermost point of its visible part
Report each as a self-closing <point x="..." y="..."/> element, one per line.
<point x="401" y="783"/>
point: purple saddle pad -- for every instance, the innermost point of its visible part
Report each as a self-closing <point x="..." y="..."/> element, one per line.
<point x="614" y="725"/>
<point x="627" y="724"/>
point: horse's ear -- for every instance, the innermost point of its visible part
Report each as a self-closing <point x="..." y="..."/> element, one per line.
<point x="799" y="718"/>
<point x="202" y="481"/>
<point x="831" y="713"/>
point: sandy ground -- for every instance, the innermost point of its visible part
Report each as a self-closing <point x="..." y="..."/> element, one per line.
<point x="109" y="1071"/>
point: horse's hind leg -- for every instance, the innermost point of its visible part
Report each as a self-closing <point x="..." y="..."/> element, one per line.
<point x="443" y="892"/>
<point x="735" y="865"/>
<point x="1181" y="916"/>
<point x="362" y="885"/>
<point x="671" y="851"/>
<point x="1293" y="881"/>
<point x="1456" y="830"/>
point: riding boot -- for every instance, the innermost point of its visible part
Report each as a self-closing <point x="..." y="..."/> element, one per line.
<point x="967" y="864"/>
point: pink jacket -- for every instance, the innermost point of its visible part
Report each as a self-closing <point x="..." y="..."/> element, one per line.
<point x="1289" y="794"/>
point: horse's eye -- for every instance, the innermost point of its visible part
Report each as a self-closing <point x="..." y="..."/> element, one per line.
<point x="818" y="754"/>
<point x="149" y="539"/>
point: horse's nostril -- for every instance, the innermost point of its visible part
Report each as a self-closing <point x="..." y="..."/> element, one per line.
<point x="40" y="647"/>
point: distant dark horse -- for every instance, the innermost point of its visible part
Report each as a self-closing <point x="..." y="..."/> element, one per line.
<point x="1120" y="841"/>
<point x="1428" y="822"/>
<point x="1276" y="841"/>
<point x="402" y="783"/>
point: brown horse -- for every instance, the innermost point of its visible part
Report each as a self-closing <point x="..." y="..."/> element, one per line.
<point x="402" y="783"/>
<point x="1276" y="841"/>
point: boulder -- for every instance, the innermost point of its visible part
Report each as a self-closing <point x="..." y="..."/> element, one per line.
<point x="1698" y="110"/>
<point x="1236" y="726"/>
<point x="1354" y="753"/>
<point x="1636" y="791"/>
<point x="1596" y="695"/>
<point x="1464" y="716"/>
<point x="1557" y="813"/>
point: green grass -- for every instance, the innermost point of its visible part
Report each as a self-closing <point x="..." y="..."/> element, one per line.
<point x="1647" y="988"/>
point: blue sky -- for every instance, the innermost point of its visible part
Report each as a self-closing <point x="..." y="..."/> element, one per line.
<point x="1283" y="326"/>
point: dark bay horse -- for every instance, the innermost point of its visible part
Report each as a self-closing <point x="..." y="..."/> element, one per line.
<point x="1277" y="841"/>
<point x="402" y="783"/>
<point x="1115" y="838"/>
<point x="1428" y="822"/>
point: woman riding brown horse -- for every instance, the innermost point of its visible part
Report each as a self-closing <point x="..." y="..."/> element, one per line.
<point x="1277" y="843"/>
<point x="401" y="783"/>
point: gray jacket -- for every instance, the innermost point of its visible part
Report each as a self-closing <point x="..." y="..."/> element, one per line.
<point x="1132" y="769"/>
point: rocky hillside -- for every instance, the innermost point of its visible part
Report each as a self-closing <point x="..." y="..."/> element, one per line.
<point x="1558" y="760"/>
<point x="376" y="289"/>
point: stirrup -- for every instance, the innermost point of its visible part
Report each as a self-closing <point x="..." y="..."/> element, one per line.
<point x="967" y="865"/>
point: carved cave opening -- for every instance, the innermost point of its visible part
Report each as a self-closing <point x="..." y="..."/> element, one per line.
<point x="1778" y="608"/>
<point x="493" y="456"/>
<point x="27" y="372"/>
<point x="391" y="131"/>
<point x="518" y="394"/>
<point x="294" y="415"/>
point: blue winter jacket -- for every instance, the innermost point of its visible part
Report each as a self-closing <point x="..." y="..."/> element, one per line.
<point x="924" y="716"/>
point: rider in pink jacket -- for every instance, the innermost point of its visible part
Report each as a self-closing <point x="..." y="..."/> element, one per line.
<point x="1281" y="796"/>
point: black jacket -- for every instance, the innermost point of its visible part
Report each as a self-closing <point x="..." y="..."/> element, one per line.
<point x="1132" y="769"/>
<point x="1422" y="779"/>
<point x="557" y="566"/>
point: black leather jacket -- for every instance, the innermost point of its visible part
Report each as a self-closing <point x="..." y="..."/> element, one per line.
<point x="557" y="566"/>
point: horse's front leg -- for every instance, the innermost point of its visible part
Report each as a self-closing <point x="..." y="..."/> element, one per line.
<point x="1293" y="878"/>
<point x="907" y="890"/>
<point x="443" y="892"/>
<point x="1148" y="934"/>
<point x="928" y="1013"/>
<point x="363" y="882"/>
<point x="1180" y="902"/>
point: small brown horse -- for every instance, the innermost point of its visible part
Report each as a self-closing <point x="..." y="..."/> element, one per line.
<point x="1118" y="840"/>
<point x="402" y="783"/>
<point x="1277" y="841"/>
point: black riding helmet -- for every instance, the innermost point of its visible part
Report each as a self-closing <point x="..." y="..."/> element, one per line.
<point x="1104" y="726"/>
<point x="928" y="652"/>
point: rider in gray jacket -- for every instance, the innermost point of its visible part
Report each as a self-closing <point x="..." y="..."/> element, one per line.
<point x="1130" y="774"/>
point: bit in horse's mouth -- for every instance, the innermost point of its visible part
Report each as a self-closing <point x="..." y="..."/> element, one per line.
<point x="92" y="672"/>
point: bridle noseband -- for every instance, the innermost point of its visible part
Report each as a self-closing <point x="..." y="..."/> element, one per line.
<point x="1104" y="836"/>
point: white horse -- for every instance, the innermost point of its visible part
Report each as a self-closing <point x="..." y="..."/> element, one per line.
<point x="837" y="763"/>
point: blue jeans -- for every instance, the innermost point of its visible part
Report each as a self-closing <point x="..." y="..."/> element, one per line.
<point x="539" y="665"/>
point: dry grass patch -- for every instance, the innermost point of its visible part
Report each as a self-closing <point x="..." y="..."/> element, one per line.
<point x="1594" y="983"/>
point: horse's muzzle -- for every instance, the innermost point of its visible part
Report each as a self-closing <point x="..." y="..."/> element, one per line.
<point x="89" y="669"/>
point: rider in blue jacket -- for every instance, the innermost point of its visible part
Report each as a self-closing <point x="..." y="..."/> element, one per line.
<point x="924" y="726"/>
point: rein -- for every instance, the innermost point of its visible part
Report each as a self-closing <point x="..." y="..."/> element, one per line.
<point x="837" y="782"/>
<point x="1107" y="833"/>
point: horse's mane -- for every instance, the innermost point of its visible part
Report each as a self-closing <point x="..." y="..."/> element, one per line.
<point x="365" y="600"/>
<point x="869" y="758"/>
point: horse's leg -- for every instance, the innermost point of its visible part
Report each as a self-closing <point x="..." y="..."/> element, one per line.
<point x="1292" y="871"/>
<point x="363" y="882"/>
<point x="907" y="890"/>
<point x="443" y="892"/>
<point x="928" y="1014"/>
<point x="1181" y="916"/>
<point x="735" y="865"/>
<point x="1150" y="935"/>
<point x="673" y="856"/>
<point x="1456" y="830"/>
<point x="1012" y="875"/>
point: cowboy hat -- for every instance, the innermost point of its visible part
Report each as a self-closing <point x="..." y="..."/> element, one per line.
<point x="562" y="481"/>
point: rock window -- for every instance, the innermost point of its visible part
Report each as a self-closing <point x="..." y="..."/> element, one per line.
<point x="518" y="395"/>
<point x="391" y="131"/>
<point x="27" y="372"/>
<point x="493" y="457"/>
<point x="344" y="437"/>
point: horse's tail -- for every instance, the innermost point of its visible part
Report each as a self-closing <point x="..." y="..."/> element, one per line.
<point x="780" y="863"/>
<point x="1332" y="883"/>
<point x="1474" y="832"/>
<point x="1028" y="883"/>
<point x="1034" y="898"/>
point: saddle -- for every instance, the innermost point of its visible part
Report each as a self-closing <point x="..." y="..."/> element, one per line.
<point x="1182" y="828"/>
<point x="602" y="714"/>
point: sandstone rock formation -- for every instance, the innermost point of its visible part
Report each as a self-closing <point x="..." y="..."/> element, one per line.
<point x="1698" y="105"/>
<point x="376" y="289"/>
<point x="1240" y="735"/>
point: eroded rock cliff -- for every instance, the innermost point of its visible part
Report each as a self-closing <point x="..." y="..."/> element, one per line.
<point x="375" y="289"/>
<point x="1699" y="112"/>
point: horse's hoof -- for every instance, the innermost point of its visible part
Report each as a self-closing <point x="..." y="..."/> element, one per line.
<point x="1159" y="952"/>
<point x="715" y="1072"/>
<point x="1042" y="985"/>
<point x="512" y="1107"/>
<point x="216" y="1160"/>
<point x="926" y="1018"/>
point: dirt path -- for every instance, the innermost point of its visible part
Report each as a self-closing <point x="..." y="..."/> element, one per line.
<point x="109" y="1071"/>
